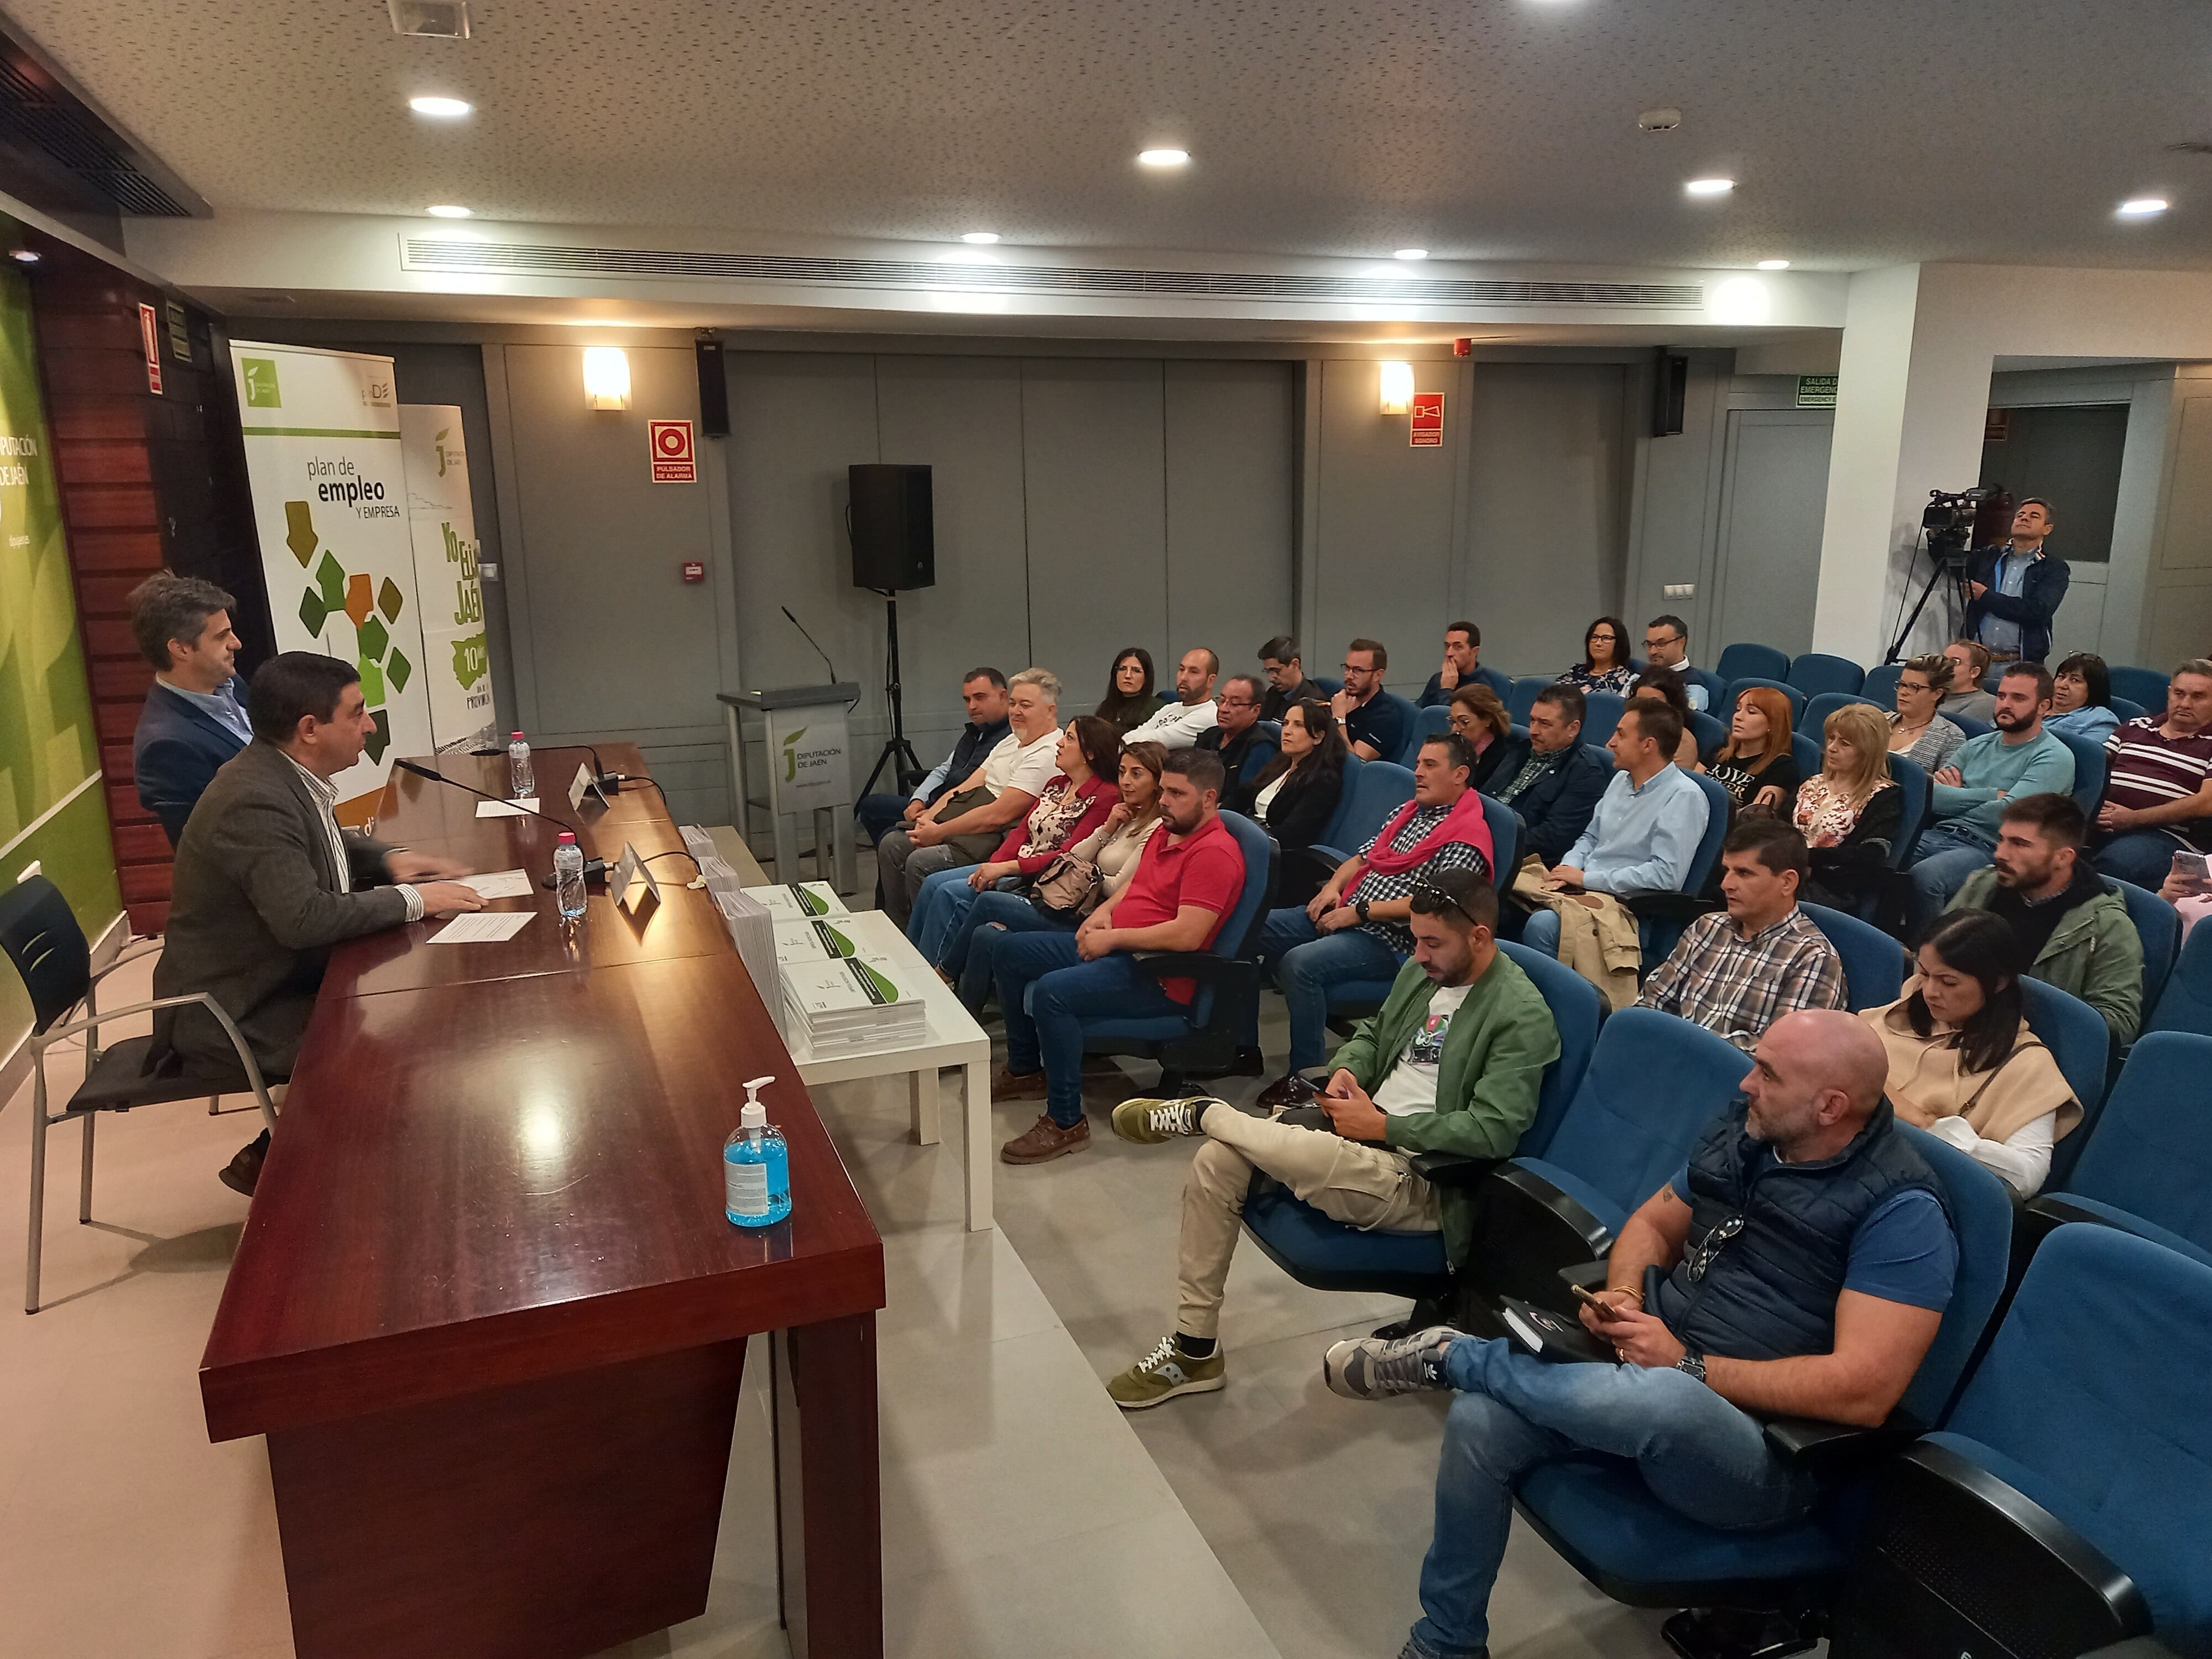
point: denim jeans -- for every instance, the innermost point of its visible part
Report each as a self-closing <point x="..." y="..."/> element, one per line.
<point x="1946" y="857"/>
<point x="938" y="910"/>
<point x="1069" y="991"/>
<point x="1699" y="1456"/>
<point x="994" y="917"/>
<point x="2144" y="857"/>
<point x="1305" y="963"/>
<point x="877" y="813"/>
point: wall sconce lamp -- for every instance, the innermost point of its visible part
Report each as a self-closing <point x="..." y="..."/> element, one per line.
<point x="606" y="377"/>
<point x="1397" y="388"/>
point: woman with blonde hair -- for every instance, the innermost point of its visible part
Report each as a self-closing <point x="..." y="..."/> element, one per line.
<point x="1916" y="729"/>
<point x="1850" y="809"/>
<point x="1478" y="716"/>
<point x="1755" y="763"/>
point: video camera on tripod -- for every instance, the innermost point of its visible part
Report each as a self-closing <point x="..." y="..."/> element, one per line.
<point x="1947" y="525"/>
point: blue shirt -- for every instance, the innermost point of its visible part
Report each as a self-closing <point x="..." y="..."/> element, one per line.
<point x="1642" y="841"/>
<point x="1904" y="1251"/>
<point x="1382" y="725"/>
<point x="2003" y="637"/>
<point x="221" y="703"/>
<point x="2087" y="721"/>
<point x="1993" y="772"/>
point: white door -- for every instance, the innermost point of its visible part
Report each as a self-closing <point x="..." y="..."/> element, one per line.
<point x="1774" y="494"/>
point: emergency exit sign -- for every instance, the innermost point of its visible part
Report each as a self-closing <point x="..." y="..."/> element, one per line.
<point x="1816" y="391"/>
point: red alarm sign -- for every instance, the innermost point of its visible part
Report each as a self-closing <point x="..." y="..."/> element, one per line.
<point x="672" y="461"/>
<point x="1427" y="431"/>
<point x="694" y="570"/>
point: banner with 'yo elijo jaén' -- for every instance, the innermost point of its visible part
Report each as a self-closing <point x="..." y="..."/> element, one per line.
<point x="330" y="495"/>
<point x="441" y="518"/>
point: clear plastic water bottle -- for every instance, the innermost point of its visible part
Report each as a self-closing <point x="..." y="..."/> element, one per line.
<point x="521" y="780"/>
<point x="569" y="875"/>
<point x="756" y="1166"/>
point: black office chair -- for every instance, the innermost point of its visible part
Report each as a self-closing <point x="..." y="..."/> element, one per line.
<point x="42" y="939"/>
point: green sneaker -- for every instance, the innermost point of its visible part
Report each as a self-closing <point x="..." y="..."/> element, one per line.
<point x="1163" y="1374"/>
<point x="1150" y="1121"/>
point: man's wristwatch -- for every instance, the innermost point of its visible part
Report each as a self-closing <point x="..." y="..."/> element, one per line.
<point x="1693" y="1362"/>
<point x="1360" y="909"/>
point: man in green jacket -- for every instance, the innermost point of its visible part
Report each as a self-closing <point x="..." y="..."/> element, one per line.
<point x="1451" y="1064"/>
<point x="2073" y="925"/>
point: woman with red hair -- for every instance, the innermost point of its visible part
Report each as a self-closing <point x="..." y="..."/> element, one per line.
<point x="1756" y="765"/>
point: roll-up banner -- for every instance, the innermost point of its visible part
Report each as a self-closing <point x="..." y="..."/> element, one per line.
<point x="330" y="504"/>
<point x="442" y="520"/>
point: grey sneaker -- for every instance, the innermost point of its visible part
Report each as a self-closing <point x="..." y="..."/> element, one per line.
<point x="1367" y="1368"/>
<point x="1150" y="1121"/>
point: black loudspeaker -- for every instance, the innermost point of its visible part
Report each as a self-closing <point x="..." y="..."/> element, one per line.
<point x="1671" y="392"/>
<point x="714" y="390"/>
<point x="894" y="531"/>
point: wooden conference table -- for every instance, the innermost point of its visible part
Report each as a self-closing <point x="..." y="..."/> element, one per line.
<point x="487" y="1308"/>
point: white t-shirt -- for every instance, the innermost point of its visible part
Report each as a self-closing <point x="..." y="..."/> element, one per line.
<point x="1026" y="767"/>
<point x="1177" y="725"/>
<point x="1265" y="798"/>
<point x="1410" y="1086"/>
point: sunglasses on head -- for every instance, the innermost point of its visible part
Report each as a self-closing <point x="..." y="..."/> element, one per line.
<point x="1429" y="890"/>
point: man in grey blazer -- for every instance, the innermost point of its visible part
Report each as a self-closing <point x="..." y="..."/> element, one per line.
<point x="267" y="881"/>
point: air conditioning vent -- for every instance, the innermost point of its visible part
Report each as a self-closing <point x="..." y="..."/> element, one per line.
<point x="552" y="259"/>
<point x="41" y="115"/>
<point x="432" y="20"/>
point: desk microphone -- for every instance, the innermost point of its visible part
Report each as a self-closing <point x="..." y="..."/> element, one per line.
<point x="592" y="866"/>
<point x="811" y="639"/>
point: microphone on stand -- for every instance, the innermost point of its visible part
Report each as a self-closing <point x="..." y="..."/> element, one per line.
<point x="592" y="866"/>
<point x="811" y="641"/>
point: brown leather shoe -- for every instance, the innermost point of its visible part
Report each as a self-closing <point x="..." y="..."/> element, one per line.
<point x="243" y="1173"/>
<point x="1017" y="1086"/>
<point x="1044" y="1141"/>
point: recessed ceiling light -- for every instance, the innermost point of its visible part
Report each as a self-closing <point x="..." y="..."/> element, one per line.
<point x="1665" y="119"/>
<point x="23" y="256"/>
<point x="1163" y="158"/>
<point x="980" y="238"/>
<point x="447" y="210"/>
<point x="442" y="109"/>
<point x="1774" y="264"/>
<point x="1710" y="186"/>
<point x="1411" y="253"/>
<point x="2143" y="207"/>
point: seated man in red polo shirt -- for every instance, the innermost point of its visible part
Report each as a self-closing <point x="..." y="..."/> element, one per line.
<point x="1189" y="878"/>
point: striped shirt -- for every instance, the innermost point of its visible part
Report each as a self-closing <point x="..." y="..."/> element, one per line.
<point x="1375" y="887"/>
<point x="2148" y="768"/>
<point x="1737" y="987"/>
<point x="325" y="794"/>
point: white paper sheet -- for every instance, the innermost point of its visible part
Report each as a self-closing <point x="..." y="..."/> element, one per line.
<point x="507" y="809"/>
<point x="485" y="927"/>
<point x="500" y="884"/>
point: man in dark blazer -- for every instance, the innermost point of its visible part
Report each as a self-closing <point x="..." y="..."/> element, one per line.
<point x="2016" y="589"/>
<point x="195" y="716"/>
<point x="1556" y="792"/>
<point x="267" y="881"/>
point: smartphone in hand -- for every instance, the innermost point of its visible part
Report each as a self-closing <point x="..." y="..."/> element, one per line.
<point x="1605" y="1311"/>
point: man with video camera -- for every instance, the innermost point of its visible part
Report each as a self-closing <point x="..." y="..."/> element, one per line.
<point x="2016" y="588"/>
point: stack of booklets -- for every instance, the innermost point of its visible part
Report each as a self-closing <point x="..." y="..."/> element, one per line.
<point x="752" y="930"/>
<point x="799" y="900"/>
<point x="805" y="942"/>
<point x="854" y="1002"/>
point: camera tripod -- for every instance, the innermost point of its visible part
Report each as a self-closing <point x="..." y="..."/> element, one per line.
<point x="1947" y="561"/>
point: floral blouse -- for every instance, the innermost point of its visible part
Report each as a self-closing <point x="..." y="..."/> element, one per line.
<point x="1611" y="679"/>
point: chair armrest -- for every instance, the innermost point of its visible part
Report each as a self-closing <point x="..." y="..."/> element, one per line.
<point x="1667" y="907"/>
<point x="1331" y="854"/>
<point x="1451" y="1169"/>
<point x="2053" y="1209"/>
<point x="1526" y="1229"/>
<point x="1590" y="1275"/>
<point x="202" y="999"/>
<point x="1827" y="1450"/>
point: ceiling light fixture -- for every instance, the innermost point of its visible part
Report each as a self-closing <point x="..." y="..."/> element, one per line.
<point x="1411" y="253"/>
<point x="23" y="256"/>
<point x="1710" y="186"/>
<point x="980" y="238"/>
<point x="446" y="210"/>
<point x="2143" y="207"/>
<point x="606" y="377"/>
<point x="1774" y="264"/>
<point x="1397" y="388"/>
<point x="1163" y="158"/>
<point x="440" y="109"/>
<point x="1665" y="119"/>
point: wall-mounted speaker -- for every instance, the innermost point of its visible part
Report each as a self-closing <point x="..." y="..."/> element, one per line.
<point x="893" y="533"/>
<point x="1670" y="392"/>
<point x="714" y="390"/>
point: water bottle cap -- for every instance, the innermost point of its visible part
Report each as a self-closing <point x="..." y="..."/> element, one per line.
<point x="566" y="839"/>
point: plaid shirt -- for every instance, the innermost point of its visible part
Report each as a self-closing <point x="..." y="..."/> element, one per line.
<point x="1374" y="887"/>
<point x="1739" y="986"/>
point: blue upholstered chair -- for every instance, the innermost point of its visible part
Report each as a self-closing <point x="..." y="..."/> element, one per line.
<point x="1911" y="776"/>
<point x="1818" y="707"/>
<point x="1327" y="1255"/>
<point x="1325" y="686"/>
<point x="1881" y="684"/>
<point x="1816" y="671"/>
<point x="1501" y="684"/>
<point x="2158" y="925"/>
<point x="1738" y="687"/>
<point x="1602" y="711"/>
<point x="2126" y="709"/>
<point x="1716" y="687"/>
<point x="1371" y="794"/>
<point x="2067" y="1501"/>
<point x="1522" y="695"/>
<point x="2145" y="687"/>
<point x="2088" y="772"/>
<point x="2147" y="1168"/>
<point x="2186" y="1004"/>
<point x="1874" y="963"/>
<point x="1430" y="722"/>
<point x="2081" y="1043"/>
<point x="1657" y="932"/>
<point x="1601" y="1516"/>
<point x="1709" y="731"/>
<point x="1807" y="751"/>
<point x="1752" y="661"/>
<point x="1205" y="1037"/>
<point x="1968" y="724"/>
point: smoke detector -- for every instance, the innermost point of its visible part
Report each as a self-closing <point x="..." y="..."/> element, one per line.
<point x="431" y="20"/>
<point x="1652" y="120"/>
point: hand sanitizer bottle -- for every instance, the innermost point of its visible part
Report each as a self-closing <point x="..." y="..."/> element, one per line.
<point x="756" y="1166"/>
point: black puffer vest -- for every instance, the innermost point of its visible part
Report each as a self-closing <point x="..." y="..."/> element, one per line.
<point x="1768" y="1289"/>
